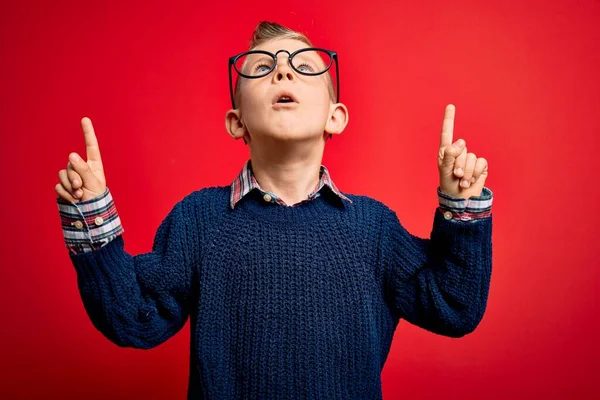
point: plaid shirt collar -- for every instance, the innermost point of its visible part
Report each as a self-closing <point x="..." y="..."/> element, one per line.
<point x="245" y="182"/>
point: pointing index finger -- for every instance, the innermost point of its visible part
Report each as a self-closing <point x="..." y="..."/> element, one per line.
<point x="91" y="142"/>
<point x="447" y="126"/>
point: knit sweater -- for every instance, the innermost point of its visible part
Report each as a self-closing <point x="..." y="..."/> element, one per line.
<point x="287" y="302"/>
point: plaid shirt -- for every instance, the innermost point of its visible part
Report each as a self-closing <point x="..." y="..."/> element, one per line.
<point x="91" y="224"/>
<point x="246" y="182"/>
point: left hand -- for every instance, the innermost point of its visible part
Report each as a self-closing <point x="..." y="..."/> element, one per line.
<point x="462" y="174"/>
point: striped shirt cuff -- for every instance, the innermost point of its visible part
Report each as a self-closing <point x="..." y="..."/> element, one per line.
<point x="457" y="208"/>
<point x="91" y="224"/>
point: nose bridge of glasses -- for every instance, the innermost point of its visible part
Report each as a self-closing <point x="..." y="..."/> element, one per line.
<point x="284" y="61"/>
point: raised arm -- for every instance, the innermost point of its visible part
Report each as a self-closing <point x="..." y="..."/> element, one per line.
<point x="442" y="283"/>
<point x="135" y="301"/>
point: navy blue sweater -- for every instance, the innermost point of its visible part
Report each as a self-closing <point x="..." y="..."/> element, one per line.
<point x="287" y="302"/>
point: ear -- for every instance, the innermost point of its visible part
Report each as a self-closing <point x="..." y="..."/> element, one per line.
<point x="234" y="125"/>
<point x="338" y="119"/>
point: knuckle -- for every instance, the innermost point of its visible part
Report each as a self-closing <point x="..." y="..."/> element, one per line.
<point x="64" y="180"/>
<point x="62" y="192"/>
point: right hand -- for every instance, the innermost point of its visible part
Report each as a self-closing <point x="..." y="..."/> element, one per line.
<point x="83" y="180"/>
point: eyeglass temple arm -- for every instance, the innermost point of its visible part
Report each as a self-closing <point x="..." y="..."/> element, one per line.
<point x="231" y="84"/>
<point x="337" y="78"/>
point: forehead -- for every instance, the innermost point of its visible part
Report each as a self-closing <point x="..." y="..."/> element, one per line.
<point x="275" y="45"/>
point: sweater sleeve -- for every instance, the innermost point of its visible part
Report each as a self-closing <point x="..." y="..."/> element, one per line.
<point x="139" y="301"/>
<point x="440" y="284"/>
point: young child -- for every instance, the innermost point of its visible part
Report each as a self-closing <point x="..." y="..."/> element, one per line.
<point x="293" y="288"/>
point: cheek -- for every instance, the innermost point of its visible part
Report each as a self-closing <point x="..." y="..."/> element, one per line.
<point x="252" y="104"/>
<point x="320" y="107"/>
<point x="249" y="96"/>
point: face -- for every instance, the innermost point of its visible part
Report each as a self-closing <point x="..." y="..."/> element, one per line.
<point x="262" y="110"/>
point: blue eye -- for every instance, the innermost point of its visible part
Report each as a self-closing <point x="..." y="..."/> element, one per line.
<point x="261" y="68"/>
<point x="305" y="68"/>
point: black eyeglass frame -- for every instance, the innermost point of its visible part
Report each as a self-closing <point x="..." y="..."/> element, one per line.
<point x="332" y="57"/>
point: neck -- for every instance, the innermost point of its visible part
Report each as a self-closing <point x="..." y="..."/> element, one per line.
<point x="290" y="169"/>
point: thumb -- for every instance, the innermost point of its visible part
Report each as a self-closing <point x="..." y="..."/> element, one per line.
<point x="450" y="154"/>
<point x="90" y="181"/>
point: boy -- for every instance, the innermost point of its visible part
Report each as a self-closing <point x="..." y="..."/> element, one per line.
<point x="293" y="288"/>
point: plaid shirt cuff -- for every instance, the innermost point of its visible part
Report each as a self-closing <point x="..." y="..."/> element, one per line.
<point x="91" y="224"/>
<point x="457" y="208"/>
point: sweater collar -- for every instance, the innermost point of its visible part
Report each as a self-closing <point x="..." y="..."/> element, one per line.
<point x="245" y="182"/>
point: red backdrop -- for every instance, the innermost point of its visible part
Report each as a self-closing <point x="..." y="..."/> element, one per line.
<point x="153" y="79"/>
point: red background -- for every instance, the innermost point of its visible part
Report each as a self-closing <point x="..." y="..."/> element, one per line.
<point x="153" y="79"/>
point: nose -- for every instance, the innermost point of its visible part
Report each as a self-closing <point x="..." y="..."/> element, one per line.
<point x="283" y="69"/>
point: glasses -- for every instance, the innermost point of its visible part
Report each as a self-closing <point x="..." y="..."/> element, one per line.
<point x="310" y="61"/>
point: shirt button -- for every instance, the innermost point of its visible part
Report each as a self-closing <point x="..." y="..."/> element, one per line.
<point x="98" y="221"/>
<point x="267" y="197"/>
<point x="448" y="215"/>
<point x="78" y="224"/>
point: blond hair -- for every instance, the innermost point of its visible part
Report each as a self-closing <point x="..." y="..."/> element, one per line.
<point x="266" y="31"/>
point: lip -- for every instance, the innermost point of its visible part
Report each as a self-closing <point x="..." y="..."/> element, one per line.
<point x="281" y="94"/>
<point x="283" y="106"/>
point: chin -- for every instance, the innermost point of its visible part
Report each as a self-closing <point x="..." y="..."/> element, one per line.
<point x="291" y="135"/>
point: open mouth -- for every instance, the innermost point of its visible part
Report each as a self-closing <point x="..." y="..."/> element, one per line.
<point x="284" y="98"/>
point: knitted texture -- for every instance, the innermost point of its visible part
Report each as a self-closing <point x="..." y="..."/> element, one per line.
<point x="287" y="302"/>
